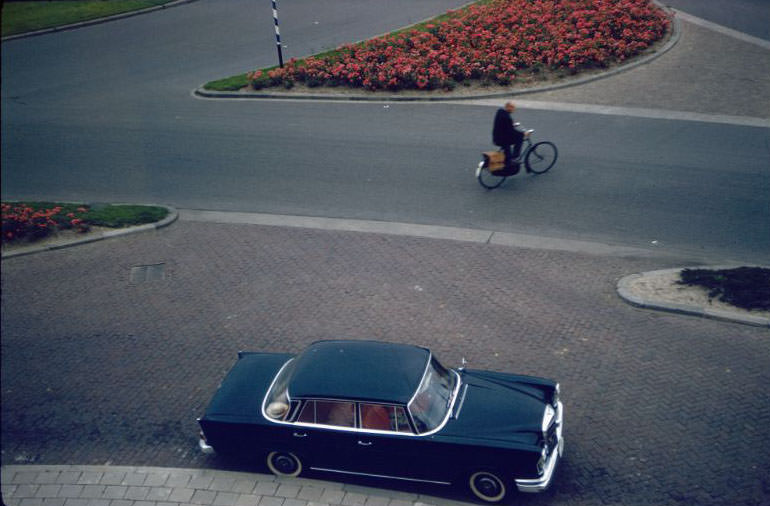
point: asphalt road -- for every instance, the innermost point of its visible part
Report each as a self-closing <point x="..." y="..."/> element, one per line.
<point x="696" y="187"/>
<point x="747" y="16"/>
<point x="105" y="114"/>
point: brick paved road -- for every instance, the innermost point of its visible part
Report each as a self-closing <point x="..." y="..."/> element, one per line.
<point x="660" y="408"/>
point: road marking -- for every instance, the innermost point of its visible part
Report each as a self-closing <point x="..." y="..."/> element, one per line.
<point x="724" y="30"/>
<point x="637" y="112"/>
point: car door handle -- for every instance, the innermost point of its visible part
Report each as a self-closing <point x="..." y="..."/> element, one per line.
<point x="364" y="443"/>
<point x="300" y="434"/>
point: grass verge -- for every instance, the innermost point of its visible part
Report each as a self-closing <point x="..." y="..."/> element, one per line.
<point x="22" y="17"/>
<point x="744" y="287"/>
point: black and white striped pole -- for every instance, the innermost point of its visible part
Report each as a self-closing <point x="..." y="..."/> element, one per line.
<point x="277" y="34"/>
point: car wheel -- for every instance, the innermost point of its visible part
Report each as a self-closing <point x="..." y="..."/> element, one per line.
<point x="284" y="464"/>
<point x="487" y="486"/>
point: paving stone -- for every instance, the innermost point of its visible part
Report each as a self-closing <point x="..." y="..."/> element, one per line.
<point x="68" y="477"/>
<point x="286" y="490"/>
<point x="155" y="479"/>
<point x="201" y="482"/>
<point x="113" y="478"/>
<point x="134" y="479"/>
<point x="178" y="481"/>
<point x="137" y="493"/>
<point x="244" y="486"/>
<point x="203" y="497"/>
<point x="48" y="491"/>
<point x="265" y="488"/>
<point x="271" y="501"/>
<point x="71" y="491"/>
<point x="31" y="501"/>
<point x="294" y="502"/>
<point x="354" y="499"/>
<point x="310" y="493"/>
<point x="332" y="496"/>
<point x="115" y="491"/>
<point x="47" y="477"/>
<point x="225" y="499"/>
<point x="224" y="484"/>
<point x="181" y="494"/>
<point x="90" y="478"/>
<point x="672" y="391"/>
<point x="92" y="491"/>
<point x="247" y="500"/>
<point x="158" y="494"/>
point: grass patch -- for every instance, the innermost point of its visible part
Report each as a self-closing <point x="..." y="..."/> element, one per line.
<point x="21" y="17"/>
<point x="233" y="83"/>
<point x="743" y="287"/>
<point x="30" y="221"/>
<point x="115" y="216"/>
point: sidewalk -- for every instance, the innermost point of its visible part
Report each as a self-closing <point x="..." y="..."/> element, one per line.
<point x="33" y="485"/>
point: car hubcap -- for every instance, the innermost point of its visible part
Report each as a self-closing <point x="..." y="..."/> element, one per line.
<point x="487" y="487"/>
<point x="285" y="463"/>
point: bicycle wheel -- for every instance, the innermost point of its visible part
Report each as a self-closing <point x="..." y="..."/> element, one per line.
<point x="486" y="178"/>
<point x="541" y="157"/>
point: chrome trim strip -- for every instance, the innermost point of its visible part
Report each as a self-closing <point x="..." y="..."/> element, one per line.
<point x="380" y="476"/>
<point x="270" y="388"/>
<point x="357" y="429"/>
<point x="422" y="378"/>
<point x="449" y="408"/>
<point x="462" y="401"/>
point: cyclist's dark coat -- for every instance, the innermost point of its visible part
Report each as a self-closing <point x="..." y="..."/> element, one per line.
<point x="504" y="133"/>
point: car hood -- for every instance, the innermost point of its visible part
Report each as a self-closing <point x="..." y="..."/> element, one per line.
<point x="498" y="407"/>
<point x="240" y="395"/>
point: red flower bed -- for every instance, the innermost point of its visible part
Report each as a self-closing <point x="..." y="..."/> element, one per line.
<point x="23" y="221"/>
<point x="496" y="42"/>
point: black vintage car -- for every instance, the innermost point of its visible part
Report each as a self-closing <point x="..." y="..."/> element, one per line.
<point x="389" y="411"/>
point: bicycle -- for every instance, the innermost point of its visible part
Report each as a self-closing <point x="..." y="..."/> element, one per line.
<point x="538" y="158"/>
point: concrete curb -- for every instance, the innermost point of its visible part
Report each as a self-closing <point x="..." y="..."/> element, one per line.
<point x="32" y="484"/>
<point x="172" y="216"/>
<point x="96" y="21"/>
<point x="626" y="292"/>
<point x="676" y="32"/>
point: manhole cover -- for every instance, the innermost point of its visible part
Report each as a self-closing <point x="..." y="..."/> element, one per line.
<point x="145" y="273"/>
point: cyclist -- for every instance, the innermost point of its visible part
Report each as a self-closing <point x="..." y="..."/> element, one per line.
<point x="507" y="137"/>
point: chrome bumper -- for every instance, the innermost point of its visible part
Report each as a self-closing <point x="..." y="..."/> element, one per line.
<point x="205" y="448"/>
<point x="543" y="482"/>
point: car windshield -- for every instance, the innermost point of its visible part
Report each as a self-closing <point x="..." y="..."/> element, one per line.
<point x="430" y="404"/>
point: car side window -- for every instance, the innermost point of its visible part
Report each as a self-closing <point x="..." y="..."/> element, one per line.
<point x="336" y="413"/>
<point x="384" y="417"/>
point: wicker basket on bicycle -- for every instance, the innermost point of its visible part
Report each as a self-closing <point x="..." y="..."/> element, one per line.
<point x="494" y="160"/>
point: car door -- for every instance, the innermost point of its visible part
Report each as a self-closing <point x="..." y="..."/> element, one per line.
<point x="384" y="446"/>
<point x="325" y="428"/>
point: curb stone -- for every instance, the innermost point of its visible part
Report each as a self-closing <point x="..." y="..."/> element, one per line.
<point x="626" y="292"/>
<point x="644" y="59"/>
<point x="170" y="218"/>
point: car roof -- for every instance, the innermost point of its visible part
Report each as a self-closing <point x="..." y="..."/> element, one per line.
<point x="358" y="370"/>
